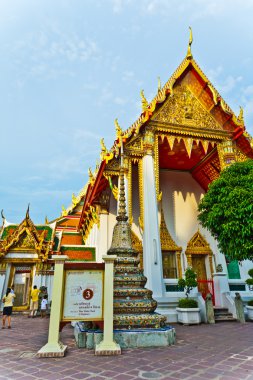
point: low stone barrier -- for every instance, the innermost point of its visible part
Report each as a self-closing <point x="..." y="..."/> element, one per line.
<point x="87" y="338"/>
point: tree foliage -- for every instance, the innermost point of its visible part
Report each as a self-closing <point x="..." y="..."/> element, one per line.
<point x="226" y="211"/>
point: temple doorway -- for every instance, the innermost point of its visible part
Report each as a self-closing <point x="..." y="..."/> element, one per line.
<point x="21" y="280"/>
<point x="199" y="266"/>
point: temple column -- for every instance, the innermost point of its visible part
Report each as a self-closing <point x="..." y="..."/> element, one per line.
<point x="152" y="255"/>
<point x="210" y="257"/>
<point x="179" y="265"/>
<point x="189" y="260"/>
<point x="103" y="235"/>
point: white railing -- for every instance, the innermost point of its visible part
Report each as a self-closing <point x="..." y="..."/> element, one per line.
<point x="229" y="303"/>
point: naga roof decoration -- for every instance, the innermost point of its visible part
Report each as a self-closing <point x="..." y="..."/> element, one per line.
<point x="27" y="236"/>
<point x="167" y="243"/>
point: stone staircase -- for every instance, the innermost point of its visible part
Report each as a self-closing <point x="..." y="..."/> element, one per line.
<point x="221" y="314"/>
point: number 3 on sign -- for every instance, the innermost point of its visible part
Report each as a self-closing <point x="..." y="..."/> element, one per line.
<point x="87" y="294"/>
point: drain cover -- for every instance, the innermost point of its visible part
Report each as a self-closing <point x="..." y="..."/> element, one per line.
<point x="7" y="350"/>
<point x="27" y="354"/>
<point x="150" y="375"/>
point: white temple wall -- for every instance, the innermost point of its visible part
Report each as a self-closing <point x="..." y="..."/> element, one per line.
<point x="102" y="237"/>
<point x="181" y="196"/>
<point x="93" y="237"/>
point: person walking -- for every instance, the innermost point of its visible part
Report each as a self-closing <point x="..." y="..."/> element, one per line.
<point x="43" y="306"/>
<point x="8" y="303"/>
<point x="34" y="301"/>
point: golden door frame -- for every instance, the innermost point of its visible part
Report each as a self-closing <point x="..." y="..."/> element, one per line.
<point x="17" y="262"/>
<point x="198" y="245"/>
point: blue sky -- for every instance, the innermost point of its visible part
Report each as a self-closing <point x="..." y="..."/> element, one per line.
<point x="68" y="68"/>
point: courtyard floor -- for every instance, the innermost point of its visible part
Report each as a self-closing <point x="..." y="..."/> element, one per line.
<point x="221" y="351"/>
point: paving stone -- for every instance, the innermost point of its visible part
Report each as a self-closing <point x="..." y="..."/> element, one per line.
<point x="220" y="352"/>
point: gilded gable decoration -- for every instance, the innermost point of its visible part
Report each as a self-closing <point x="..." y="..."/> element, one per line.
<point x="198" y="245"/>
<point x="27" y="238"/>
<point x="25" y="242"/>
<point x="183" y="108"/>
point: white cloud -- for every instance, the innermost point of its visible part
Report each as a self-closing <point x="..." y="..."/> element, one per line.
<point x="120" y="101"/>
<point x="194" y="9"/>
<point x="229" y="83"/>
<point x="128" y="76"/>
<point x="52" y="53"/>
<point x="118" y="5"/>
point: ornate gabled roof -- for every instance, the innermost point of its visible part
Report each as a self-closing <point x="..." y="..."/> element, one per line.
<point x="27" y="236"/>
<point x="198" y="245"/>
<point x="167" y="243"/>
<point x="228" y="125"/>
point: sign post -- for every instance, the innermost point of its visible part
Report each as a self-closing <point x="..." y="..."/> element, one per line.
<point x="108" y="346"/>
<point x="54" y="347"/>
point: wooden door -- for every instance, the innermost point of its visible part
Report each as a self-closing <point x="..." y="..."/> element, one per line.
<point x="199" y="266"/>
<point x="22" y="281"/>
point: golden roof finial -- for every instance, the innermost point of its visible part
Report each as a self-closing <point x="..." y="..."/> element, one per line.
<point x="144" y="102"/>
<point x="46" y="220"/>
<point x="241" y="116"/>
<point x="64" y="211"/>
<point x="2" y="215"/>
<point x="189" y="52"/>
<point x="118" y="129"/>
<point x="27" y="211"/>
<point x="159" y="84"/>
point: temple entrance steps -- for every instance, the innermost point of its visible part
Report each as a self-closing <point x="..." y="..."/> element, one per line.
<point x="221" y="314"/>
<point x="167" y="306"/>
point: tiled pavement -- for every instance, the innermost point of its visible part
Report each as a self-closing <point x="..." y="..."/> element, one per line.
<point x="221" y="351"/>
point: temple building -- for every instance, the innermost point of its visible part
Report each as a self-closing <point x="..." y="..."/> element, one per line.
<point x="26" y="253"/>
<point x="180" y="143"/>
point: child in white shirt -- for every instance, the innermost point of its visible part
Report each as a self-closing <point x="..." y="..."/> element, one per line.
<point x="43" y="307"/>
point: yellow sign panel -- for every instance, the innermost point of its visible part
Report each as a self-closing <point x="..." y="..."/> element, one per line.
<point x="83" y="297"/>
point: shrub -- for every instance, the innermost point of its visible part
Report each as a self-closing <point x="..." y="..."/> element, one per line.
<point x="187" y="303"/>
<point x="189" y="282"/>
<point x="249" y="281"/>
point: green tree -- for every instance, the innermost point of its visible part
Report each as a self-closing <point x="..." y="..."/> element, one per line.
<point x="226" y="211"/>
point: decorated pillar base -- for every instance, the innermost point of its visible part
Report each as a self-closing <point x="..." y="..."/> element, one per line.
<point x="109" y="349"/>
<point x="52" y="350"/>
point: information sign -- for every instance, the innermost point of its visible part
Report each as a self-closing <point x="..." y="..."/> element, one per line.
<point x="83" y="296"/>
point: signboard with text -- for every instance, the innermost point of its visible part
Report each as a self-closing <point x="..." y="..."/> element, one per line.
<point x="83" y="296"/>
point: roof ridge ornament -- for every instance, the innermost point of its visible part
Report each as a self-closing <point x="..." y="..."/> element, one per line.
<point x="2" y="215"/>
<point x="144" y="102"/>
<point x="240" y="118"/>
<point x="119" y="131"/>
<point x="159" y="84"/>
<point x="189" y="52"/>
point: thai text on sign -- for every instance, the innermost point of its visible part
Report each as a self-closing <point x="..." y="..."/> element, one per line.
<point x="83" y="296"/>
